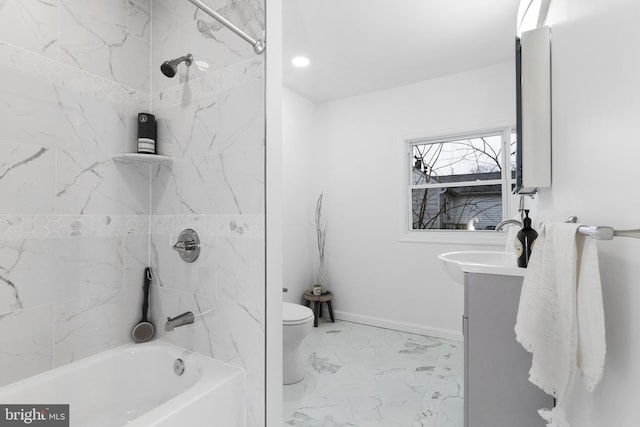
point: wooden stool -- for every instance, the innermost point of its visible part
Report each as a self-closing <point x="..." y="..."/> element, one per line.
<point x="317" y="305"/>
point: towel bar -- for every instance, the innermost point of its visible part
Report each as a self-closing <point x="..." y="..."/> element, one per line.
<point x="604" y="232"/>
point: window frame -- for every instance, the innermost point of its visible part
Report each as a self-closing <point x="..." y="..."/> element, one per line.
<point x="408" y="234"/>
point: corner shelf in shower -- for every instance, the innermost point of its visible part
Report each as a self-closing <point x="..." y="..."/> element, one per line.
<point x="141" y="158"/>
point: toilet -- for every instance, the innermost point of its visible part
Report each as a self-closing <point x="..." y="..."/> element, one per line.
<point x="297" y="321"/>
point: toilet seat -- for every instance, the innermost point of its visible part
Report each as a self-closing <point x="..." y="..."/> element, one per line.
<point x="295" y="314"/>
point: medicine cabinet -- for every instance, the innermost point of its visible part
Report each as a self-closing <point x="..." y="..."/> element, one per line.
<point x="533" y="107"/>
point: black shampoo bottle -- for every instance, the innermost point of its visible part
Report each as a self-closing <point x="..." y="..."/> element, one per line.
<point x="147" y="132"/>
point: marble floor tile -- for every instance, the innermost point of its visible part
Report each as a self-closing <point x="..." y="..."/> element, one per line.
<point x="357" y="375"/>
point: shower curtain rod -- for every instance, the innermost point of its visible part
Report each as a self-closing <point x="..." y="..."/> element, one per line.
<point x="258" y="45"/>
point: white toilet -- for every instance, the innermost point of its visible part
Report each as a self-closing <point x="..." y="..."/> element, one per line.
<point x="297" y="321"/>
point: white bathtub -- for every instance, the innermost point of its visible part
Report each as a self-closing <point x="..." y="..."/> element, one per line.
<point x="135" y="386"/>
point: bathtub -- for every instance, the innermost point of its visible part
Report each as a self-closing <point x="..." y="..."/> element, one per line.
<point x="135" y="385"/>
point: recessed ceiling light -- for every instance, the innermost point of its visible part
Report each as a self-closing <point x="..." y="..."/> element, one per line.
<point x="300" y="61"/>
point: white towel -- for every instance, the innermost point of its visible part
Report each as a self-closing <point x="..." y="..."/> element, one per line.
<point x="512" y="233"/>
<point x="592" y="346"/>
<point x="560" y="317"/>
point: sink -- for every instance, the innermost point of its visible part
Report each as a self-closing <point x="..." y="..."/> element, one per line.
<point x="485" y="262"/>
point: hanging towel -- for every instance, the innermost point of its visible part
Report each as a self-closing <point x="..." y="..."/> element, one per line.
<point x="560" y="316"/>
<point x="512" y="233"/>
<point x="592" y="346"/>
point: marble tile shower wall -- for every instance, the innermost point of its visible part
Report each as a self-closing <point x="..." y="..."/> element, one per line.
<point x="211" y="121"/>
<point x="73" y="224"/>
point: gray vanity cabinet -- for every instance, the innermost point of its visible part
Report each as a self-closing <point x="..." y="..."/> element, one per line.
<point x="497" y="391"/>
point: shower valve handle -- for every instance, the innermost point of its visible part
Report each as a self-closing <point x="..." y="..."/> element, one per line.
<point x="188" y="245"/>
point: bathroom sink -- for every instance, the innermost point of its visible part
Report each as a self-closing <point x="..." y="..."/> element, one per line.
<point x="486" y="262"/>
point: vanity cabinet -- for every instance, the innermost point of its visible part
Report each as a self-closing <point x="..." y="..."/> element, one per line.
<point x="497" y="391"/>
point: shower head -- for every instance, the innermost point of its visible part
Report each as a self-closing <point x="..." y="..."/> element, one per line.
<point x="170" y="68"/>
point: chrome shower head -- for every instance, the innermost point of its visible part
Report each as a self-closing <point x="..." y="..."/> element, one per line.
<point x="170" y="68"/>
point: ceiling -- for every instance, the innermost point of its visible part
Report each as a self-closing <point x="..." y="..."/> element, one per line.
<point x="362" y="46"/>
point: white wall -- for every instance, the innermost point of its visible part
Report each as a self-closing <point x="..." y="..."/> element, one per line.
<point x="274" y="217"/>
<point x="376" y="278"/>
<point x="596" y="147"/>
<point x="300" y="193"/>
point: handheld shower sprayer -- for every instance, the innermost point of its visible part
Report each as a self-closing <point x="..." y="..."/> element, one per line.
<point x="170" y="68"/>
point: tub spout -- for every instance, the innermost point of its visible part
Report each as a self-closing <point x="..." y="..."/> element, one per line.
<point x="180" y="320"/>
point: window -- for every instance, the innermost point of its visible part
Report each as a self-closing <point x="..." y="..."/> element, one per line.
<point x="458" y="182"/>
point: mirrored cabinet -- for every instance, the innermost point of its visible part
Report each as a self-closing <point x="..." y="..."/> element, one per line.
<point x="533" y="102"/>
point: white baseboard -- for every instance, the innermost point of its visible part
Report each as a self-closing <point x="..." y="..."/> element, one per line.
<point x="400" y="326"/>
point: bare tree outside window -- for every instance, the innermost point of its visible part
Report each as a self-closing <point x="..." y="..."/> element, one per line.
<point x="457" y="183"/>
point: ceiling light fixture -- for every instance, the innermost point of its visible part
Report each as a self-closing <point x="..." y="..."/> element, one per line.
<point x="300" y="61"/>
<point x="532" y="14"/>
